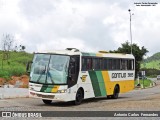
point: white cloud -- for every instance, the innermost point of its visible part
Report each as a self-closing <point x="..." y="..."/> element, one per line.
<point x="62" y="43"/>
<point x="90" y="25"/>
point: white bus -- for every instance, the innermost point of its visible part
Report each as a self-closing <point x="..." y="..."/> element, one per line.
<point x="72" y="75"/>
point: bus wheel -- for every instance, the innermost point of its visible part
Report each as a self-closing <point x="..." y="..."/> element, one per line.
<point x="79" y="97"/>
<point x="109" y="96"/>
<point x="115" y="92"/>
<point x="47" y="101"/>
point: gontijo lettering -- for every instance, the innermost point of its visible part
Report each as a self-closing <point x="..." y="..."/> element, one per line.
<point x="122" y="75"/>
<point x="118" y="75"/>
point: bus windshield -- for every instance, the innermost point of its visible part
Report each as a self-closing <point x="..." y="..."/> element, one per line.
<point x="49" y="69"/>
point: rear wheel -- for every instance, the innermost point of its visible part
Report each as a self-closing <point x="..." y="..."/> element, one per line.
<point x="79" y="97"/>
<point x="109" y="96"/>
<point x="115" y="92"/>
<point x="47" y="101"/>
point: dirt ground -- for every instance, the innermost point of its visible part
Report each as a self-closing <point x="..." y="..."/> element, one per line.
<point x="22" y="81"/>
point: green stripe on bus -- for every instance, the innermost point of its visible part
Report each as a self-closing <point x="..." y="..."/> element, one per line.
<point x="88" y="54"/>
<point x="95" y="84"/>
<point x="101" y="83"/>
<point x="49" y="89"/>
<point x="44" y="87"/>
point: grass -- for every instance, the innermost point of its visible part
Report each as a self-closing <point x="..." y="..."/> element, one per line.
<point x="15" y="65"/>
<point x="153" y="64"/>
<point x="152" y="76"/>
<point x="147" y="82"/>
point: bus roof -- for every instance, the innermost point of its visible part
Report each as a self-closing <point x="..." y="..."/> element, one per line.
<point x="110" y="55"/>
<point x="73" y="51"/>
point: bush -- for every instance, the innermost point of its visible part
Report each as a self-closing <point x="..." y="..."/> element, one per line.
<point x="17" y="71"/>
<point x="151" y="71"/>
<point x="147" y="82"/>
<point x="15" y="65"/>
<point x="5" y="74"/>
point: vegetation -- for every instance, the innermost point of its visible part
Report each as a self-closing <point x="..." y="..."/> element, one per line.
<point x="152" y="62"/>
<point x="137" y="52"/>
<point x="147" y="82"/>
<point x="151" y="72"/>
<point x="151" y="65"/>
<point x="15" y="65"/>
<point x="154" y="57"/>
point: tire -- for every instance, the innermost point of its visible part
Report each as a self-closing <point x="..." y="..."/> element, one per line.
<point x="79" y="97"/>
<point x="47" y="101"/>
<point x="109" y="96"/>
<point x="115" y="92"/>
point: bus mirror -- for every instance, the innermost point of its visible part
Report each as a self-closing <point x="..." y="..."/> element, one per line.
<point x="28" y="67"/>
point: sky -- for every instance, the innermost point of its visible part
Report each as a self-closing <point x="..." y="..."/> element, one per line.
<point x="88" y="25"/>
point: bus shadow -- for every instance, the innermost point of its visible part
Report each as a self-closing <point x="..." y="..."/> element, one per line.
<point x="86" y="101"/>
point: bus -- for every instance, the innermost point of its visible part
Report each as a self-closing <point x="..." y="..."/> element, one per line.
<point x="72" y="75"/>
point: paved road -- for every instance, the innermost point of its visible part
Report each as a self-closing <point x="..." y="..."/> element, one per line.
<point x="123" y="103"/>
<point x="154" y="80"/>
<point x="136" y="100"/>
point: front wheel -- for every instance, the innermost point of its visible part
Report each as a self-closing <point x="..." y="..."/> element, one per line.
<point x="79" y="97"/>
<point x="47" y="101"/>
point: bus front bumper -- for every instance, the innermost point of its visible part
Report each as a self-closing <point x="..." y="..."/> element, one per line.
<point x="50" y="96"/>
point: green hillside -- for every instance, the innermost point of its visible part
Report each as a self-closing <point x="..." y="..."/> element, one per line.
<point x="15" y="65"/>
<point x="154" y="57"/>
<point x="152" y="62"/>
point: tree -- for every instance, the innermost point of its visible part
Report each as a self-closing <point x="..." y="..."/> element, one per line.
<point x="7" y="43"/>
<point x="19" y="48"/>
<point x="136" y="50"/>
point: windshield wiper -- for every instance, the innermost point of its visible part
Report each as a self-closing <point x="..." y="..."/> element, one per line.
<point x="41" y="73"/>
<point x="49" y="75"/>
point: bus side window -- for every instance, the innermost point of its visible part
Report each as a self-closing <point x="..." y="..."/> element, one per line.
<point x="72" y="66"/>
<point x="131" y="64"/>
<point x="73" y="71"/>
<point x="123" y="64"/>
<point x="101" y="64"/>
<point x="114" y="64"/>
<point x="105" y="67"/>
<point x="86" y="64"/>
<point x="110" y="64"/>
<point x="93" y="63"/>
<point x="118" y="64"/>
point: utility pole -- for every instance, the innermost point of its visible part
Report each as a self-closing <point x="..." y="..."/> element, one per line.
<point x="130" y="27"/>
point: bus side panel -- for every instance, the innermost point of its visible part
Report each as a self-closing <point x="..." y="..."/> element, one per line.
<point x="109" y="85"/>
<point x="125" y="85"/>
<point x="97" y="83"/>
<point x="100" y="83"/>
<point x="84" y="81"/>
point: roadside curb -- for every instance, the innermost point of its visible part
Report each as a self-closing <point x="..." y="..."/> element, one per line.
<point x="141" y="87"/>
<point x="13" y="93"/>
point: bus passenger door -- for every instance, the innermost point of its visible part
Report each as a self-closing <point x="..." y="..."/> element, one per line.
<point x="73" y="71"/>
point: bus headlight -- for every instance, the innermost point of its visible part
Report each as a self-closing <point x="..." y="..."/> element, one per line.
<point x="61" y="91"/>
